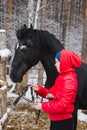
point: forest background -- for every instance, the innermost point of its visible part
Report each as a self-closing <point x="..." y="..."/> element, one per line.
<point x="66" y="19"/>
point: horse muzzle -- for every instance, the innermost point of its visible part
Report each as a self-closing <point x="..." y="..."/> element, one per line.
<point x="15" y="77"/>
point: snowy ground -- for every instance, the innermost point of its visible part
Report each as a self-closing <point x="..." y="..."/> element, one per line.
<point x="23" y="116"/>
<point x="81" y="116"/>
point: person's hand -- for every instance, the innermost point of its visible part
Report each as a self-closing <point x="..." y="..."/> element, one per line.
<point x="37" y="106"/>
<point x="34" y="87"/>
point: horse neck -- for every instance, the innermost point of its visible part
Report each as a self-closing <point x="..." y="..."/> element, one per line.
<point x="51" y="72"/>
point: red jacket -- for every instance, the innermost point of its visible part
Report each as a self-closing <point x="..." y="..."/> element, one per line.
<point x="64" y="90"/>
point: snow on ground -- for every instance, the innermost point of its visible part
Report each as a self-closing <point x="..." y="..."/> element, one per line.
<point x="82" y="116"/>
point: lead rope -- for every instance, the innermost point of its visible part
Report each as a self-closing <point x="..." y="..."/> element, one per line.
<point x="24" y="90"/>
<point x="37" y="112"/>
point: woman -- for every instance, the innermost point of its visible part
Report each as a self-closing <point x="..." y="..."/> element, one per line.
<point x="63" y="93"/>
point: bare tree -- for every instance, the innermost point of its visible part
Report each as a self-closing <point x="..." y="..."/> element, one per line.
<point x="43" y="27"/>
<point x="71" y="12"/>
<point x="56" y="11"/>
<point x="63" y="18"/>
<point x="61" y="11"/>
<point x="30" y="12"/>
<point x="84" y="41"/>
<point x="0" y="14"/>
<point x="9" y="10"/>
<point x="37" y="13"/>
<point x="78" y="3"/>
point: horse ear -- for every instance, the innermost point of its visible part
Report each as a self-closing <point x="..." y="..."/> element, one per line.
<point x="24" y="26"/>
<point x="31" y="26"/>
<point x="20" y="33"/>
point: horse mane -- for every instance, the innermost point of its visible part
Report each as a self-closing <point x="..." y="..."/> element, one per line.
<point x="45" y="38"/>
<point x="49" y="41"/>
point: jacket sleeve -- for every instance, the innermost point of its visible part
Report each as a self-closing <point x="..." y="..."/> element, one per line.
<point x="42" y="91"/>
<point x="67" y="98"/>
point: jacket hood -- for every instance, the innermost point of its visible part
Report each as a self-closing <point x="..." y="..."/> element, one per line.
<point x="69" y="60"/>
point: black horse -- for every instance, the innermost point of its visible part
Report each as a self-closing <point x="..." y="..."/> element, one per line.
<point x="38" y="45"/>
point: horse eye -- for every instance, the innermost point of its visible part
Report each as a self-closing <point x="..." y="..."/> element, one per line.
<point x="23" y="48"/>
<point x="29" y="43"/>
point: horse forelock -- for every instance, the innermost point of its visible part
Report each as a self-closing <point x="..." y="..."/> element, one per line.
<point x="22" y="33"/>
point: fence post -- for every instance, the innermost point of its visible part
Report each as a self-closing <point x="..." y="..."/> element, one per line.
<point x="5" y="55"/>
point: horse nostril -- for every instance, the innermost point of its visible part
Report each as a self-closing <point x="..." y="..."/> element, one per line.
<point x="13" y="65"/>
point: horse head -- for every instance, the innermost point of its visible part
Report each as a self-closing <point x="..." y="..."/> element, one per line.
<point x="34" y="45"/>
<point x="26" y="53"/>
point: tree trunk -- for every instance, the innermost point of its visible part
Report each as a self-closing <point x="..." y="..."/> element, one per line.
<point x="56" y="11"/>
<point x="64" y="21"/>
<point x="43" y="15"/>
<point x="30" y="12"/>
<point x="77" y="14"/>
<point x="84" y="40"/>
<point x="42" y="26"/>
<point x="3" y="71"/>
<point x="36" y="13"/>
<point x="71" y="13"/>
<point x="61" y="12"/>
<point x="9" y="10"/>
<point x="0" y="16"/>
